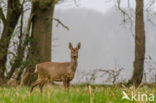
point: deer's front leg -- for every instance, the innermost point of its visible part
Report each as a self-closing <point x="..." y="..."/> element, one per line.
<point x="68" y="84"/>
<point x="65" y="84"/>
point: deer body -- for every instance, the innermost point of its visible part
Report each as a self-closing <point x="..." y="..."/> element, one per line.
<point x="55" y="71"/>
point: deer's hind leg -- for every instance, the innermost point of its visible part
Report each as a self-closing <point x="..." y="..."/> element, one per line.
<point x="38" y="82"/>
<point x="41" y="86"/>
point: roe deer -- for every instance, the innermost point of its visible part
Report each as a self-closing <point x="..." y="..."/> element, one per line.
<point x="53" y="71"/>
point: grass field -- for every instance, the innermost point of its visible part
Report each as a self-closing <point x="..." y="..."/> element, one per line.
<point x="76" y="94"/>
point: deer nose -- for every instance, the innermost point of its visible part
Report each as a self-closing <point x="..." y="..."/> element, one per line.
<point x="74" y="56"/>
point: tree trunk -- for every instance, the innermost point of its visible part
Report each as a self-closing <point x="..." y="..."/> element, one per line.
<point x="18" y="62"/>
<point x="139" y="44"/>
<point x="40" y="50"/>
<point x="13" y="14"/>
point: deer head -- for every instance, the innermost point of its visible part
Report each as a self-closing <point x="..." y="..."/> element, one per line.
<point x="74" y="51"/>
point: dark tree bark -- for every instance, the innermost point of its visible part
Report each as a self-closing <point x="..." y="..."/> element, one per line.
<point x="21" y="47"/>
<point x="40" y="50"/>
<point x="10" y="22"/>
<point x="139" y="44"/>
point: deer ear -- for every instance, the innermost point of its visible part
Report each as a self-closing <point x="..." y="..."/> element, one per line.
<point x="70" y="45"/>
<point x="78" y="46"/>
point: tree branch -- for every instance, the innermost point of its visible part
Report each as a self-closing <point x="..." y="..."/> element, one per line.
<point x="21" y="22"/>
<point x="2" y="16"/>
<point x="29" y="23"/>
<point x="150" y="4"/>
<point x="126" y="14"/>
<point x="59" y="22"/>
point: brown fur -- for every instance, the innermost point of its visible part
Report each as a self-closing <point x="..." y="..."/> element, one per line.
<point x="55" y="71"/>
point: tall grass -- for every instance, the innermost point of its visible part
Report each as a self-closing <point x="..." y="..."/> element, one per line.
<point x="57" y="94"/>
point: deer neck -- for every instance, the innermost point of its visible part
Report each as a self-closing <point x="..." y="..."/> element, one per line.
<point x="74" y="63"/>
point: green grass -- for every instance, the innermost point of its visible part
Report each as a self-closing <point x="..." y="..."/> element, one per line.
<point x="57" y="94"/>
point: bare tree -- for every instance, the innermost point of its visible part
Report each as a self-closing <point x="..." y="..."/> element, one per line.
<point x="9" y="23"/>
<point x="139" y="44"/>
<point x="112" y="74"/>
<point x="21" y="47"/>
